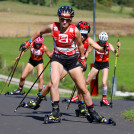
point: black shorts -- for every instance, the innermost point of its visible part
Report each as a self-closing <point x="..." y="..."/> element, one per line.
<point x="101" y="65"/>
<point x="68" y="62"/>
<point x="34" y="62"/>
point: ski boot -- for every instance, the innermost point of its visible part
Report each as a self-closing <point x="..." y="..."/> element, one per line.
<point x="97" y="118"/>
<point x="55" y="116"/>
<point x="81" y="111"/>
<point x="33" y="104"/>
<point x="104" y="102"/>
<point x="15" y="92"/>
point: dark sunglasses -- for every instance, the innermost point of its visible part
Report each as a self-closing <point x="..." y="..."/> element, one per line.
<point x="102" y="42"/>
<point x="65" y="19"/>
<point x="84" y="35"/>
<point x="37" y="44"/>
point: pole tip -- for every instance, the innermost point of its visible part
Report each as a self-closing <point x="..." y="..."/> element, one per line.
<point x="15" y="110"/>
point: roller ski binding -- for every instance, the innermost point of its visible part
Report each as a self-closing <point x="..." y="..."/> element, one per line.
<point x="55" y="116"/>
<point x="33" y="104"/>
<point x="81" y="111"/>
<point x="103" y="120"/>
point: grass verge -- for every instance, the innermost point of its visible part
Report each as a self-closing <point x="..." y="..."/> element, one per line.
<point x="129" y="114"/>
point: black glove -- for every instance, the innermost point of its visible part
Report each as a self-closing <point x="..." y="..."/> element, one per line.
<point x="22" y="47"/>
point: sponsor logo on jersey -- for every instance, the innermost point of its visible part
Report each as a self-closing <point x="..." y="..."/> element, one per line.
<point x="63" y="38"/>
<point x="55" y="28"/>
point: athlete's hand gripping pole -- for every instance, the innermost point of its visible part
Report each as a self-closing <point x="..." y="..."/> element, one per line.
<point x="31" y="86"/>
<point x="73" y="92"/>
<point x="118" y="45"/>
<point x="15" y="68"/>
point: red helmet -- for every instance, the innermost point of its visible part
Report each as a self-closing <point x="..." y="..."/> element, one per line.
<point x="84" y="27"/>
<point x="65" y="11"/>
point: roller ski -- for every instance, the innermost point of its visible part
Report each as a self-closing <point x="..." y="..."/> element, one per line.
<point x="81" y="111"/>
<point x="103" y="120"/>
<point x="94" y="117"/>
<point x="15" y="92"/>
<point x="33" y="104"/>
<point x="51" y="119"/>
<point x="55" y="116"/>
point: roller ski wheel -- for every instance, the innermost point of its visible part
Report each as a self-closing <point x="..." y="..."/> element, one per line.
<point x="77" y="112"/>
<point x="111" y="104"/>
<point x="11" y="93"/>
<point x="7" y="93"/>
<point x="48" y="119"/>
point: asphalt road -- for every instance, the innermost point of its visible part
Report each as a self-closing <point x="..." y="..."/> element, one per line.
<point x="28" y="121"/>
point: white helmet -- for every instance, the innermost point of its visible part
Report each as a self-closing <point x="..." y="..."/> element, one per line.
<point x="103" y="37"/>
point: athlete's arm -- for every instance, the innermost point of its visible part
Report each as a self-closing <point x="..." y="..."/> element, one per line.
<point x="95" y="45"/>
<point x="89" y="50"/>
<point x="79" y="42"/>
<point x="114" y="50"/>
<point x="47" y="52"/>
<point x="44" y="30"/>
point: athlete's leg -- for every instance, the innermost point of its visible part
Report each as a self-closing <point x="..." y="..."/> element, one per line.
<point x="79" y="79"/>
<point x="47" y="88"/>
<point x="35" y="103"/>
<point x="56" y="72"/>
<point x="92" y="74"/>
<point x="40" y="68"/>
<point x="104" y="85"/>
<point x="28" y="68"/>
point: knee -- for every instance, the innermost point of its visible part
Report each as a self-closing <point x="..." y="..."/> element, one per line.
<point x="84" y="91"/>
<point x="49" y="85"/>
<point x="41" y="80"/>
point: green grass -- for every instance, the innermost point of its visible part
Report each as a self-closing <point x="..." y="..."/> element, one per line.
<point x="124" y="69"/>
<point x="129" y="114"/>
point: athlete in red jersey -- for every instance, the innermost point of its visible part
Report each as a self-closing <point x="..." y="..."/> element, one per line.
<point x="102" y="63"/>
<point x="37" y="49"/>
<point x="64" y="58"/>
<point x="86" y="42"/>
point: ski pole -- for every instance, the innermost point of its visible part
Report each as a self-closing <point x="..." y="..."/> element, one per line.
<point x="8" y="77"/>
<point x="114" y="73"/>
<point x="74" y="89"/>
<point x="15" y="68"/>
<point x="31" y="87"/>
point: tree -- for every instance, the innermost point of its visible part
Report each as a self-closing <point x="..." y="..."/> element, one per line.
<point x="42" y="2"/>
<point x="108" y="3"/>
<point x="82" y="4"/>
